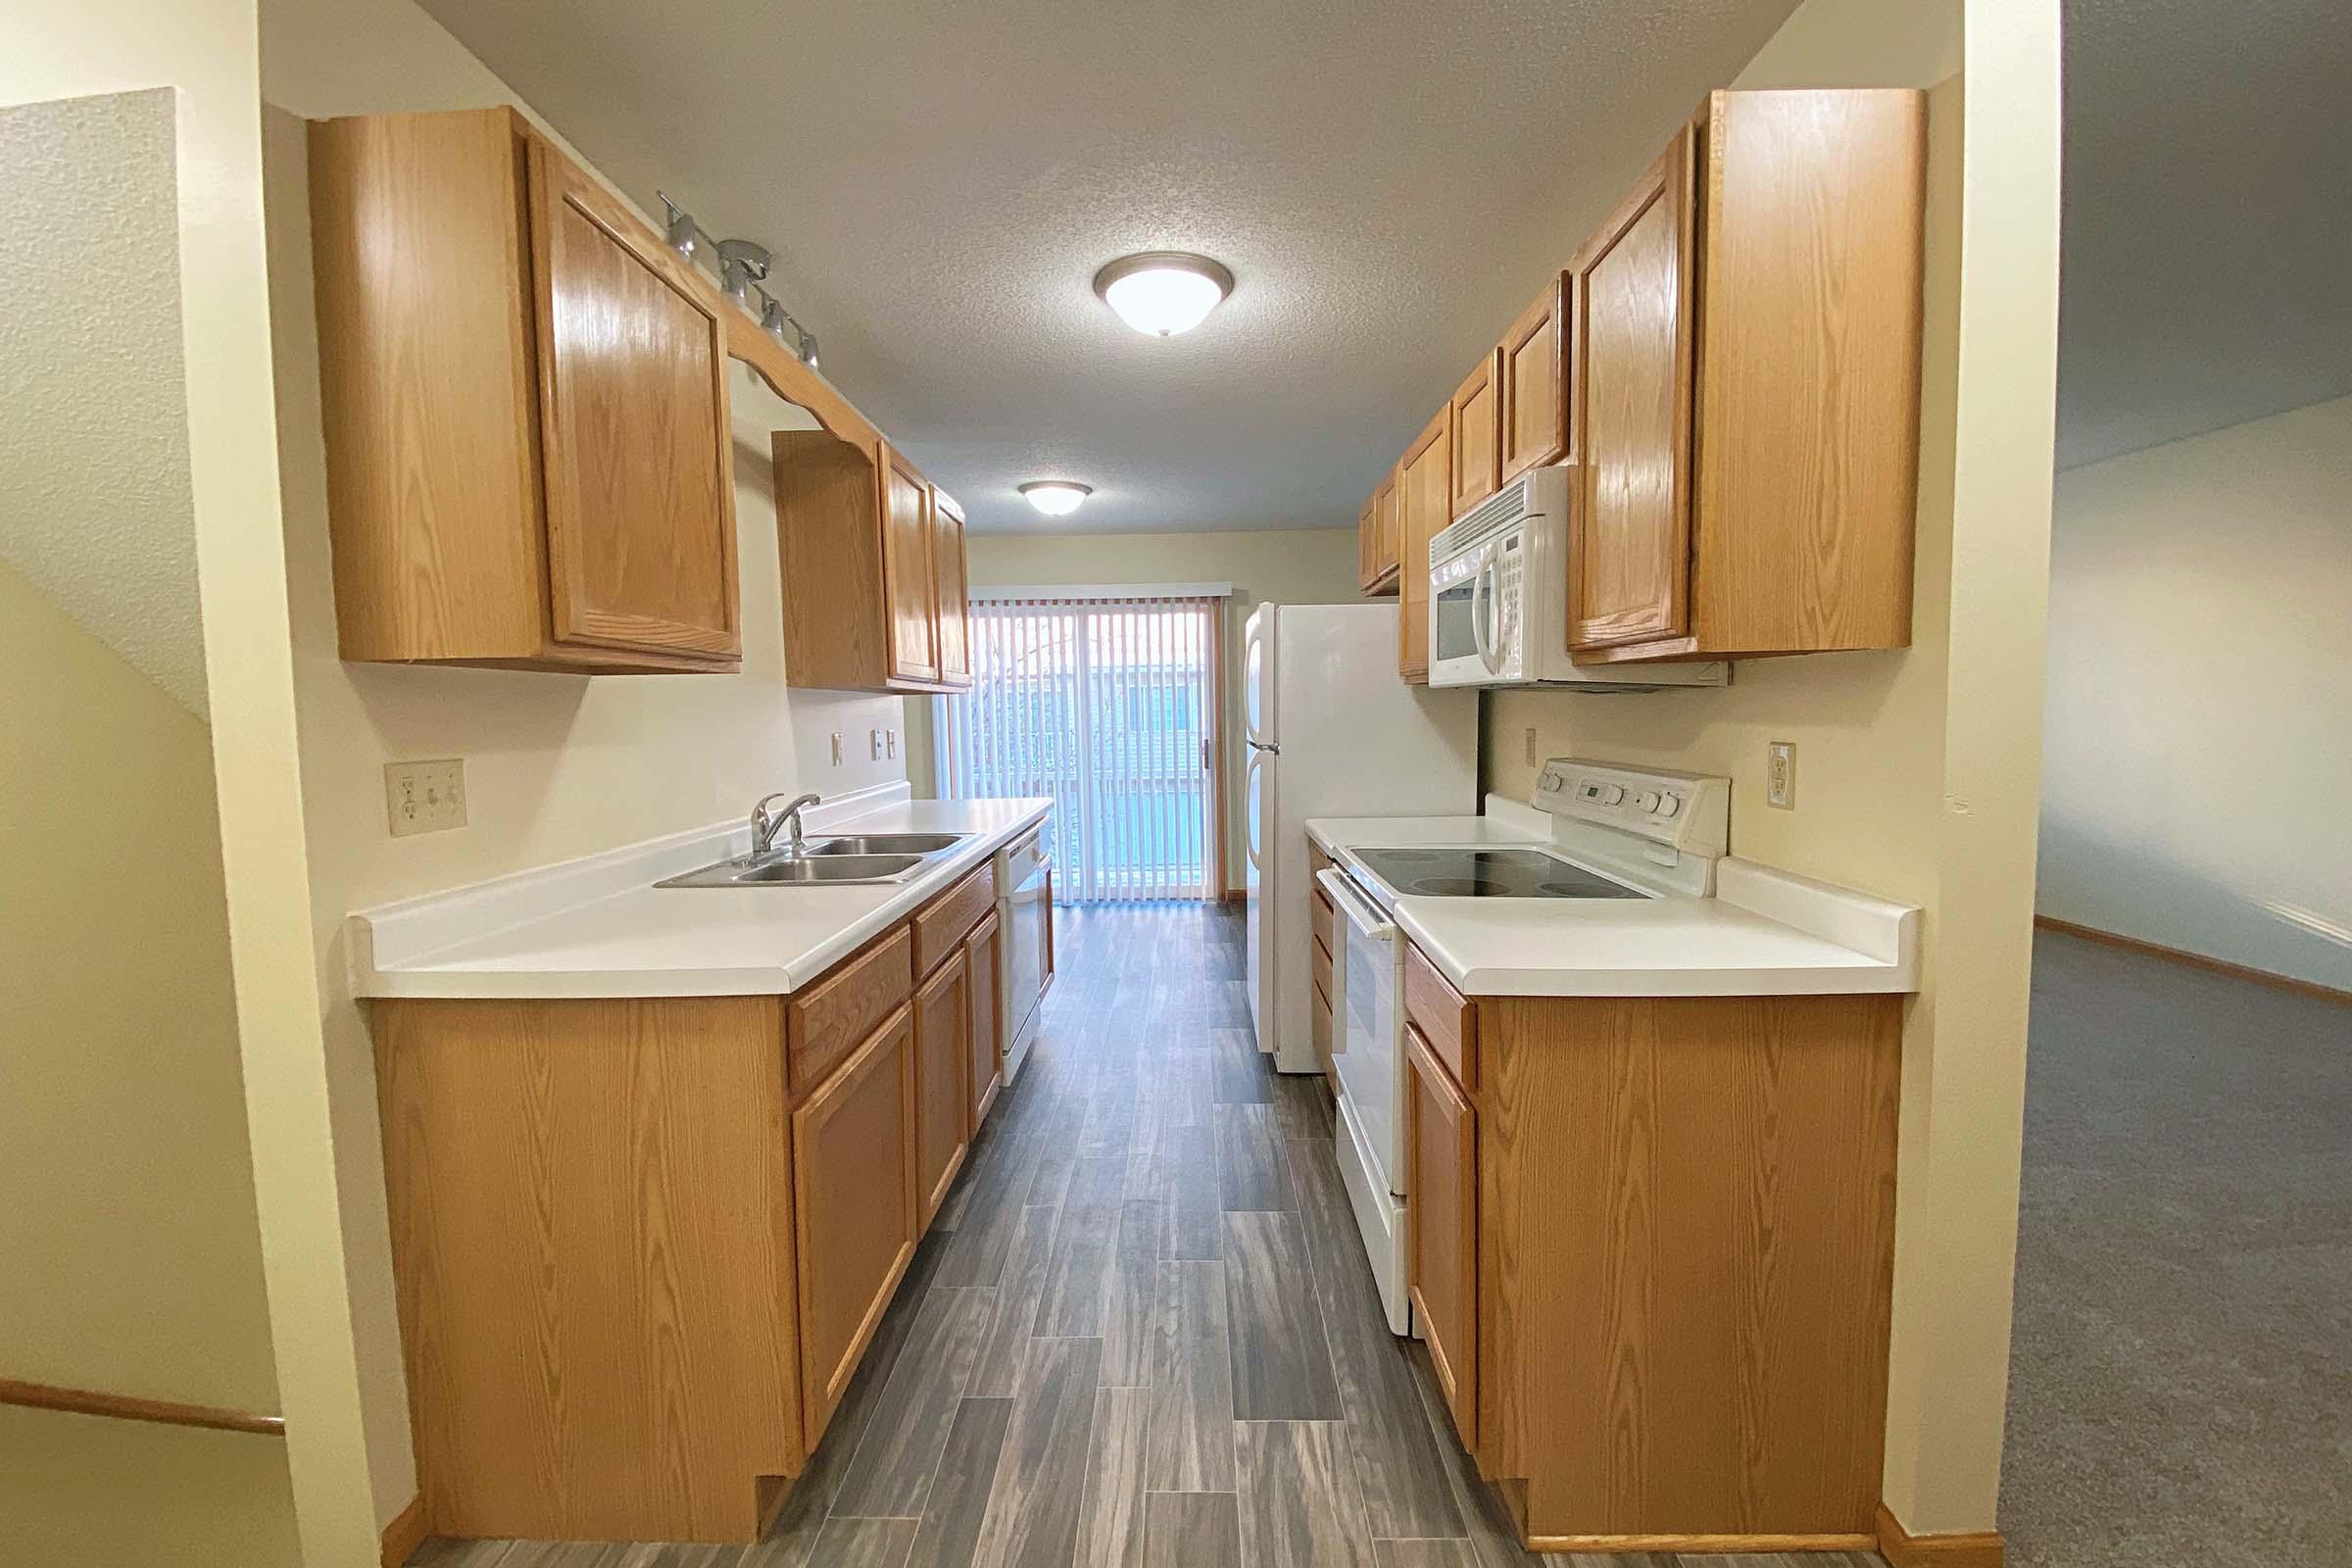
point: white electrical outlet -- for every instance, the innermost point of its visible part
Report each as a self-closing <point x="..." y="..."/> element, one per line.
<point x="424" y="797"/>
<point x="874" y="753"/>
<point x="1780" y="774"/>
<point x="890" y="741"/>
<point x="837" y="748"/>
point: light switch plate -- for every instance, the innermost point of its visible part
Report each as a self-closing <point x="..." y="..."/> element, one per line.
<point x="1530" y="746"/>
<point x="874" y="755"/>
<point x="837" y="748"/>
<point x="428" y="796"/>
<point x="1780" y="774"/>
<point x="890" y="741"/>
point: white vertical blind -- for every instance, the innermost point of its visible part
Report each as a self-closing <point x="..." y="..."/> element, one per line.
<point x="1107" y="704"/>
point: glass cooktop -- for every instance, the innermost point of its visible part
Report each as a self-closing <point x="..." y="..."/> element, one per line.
<point x="1471" y="873"/>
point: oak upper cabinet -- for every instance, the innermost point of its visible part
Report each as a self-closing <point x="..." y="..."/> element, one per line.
<point x="1441" y="1153"/>
<point x="1535" y="390"/>
<point x="942" y="1115"/>
<point x="1376" y="539"/>
<point x="1747" y="388"/>
<point x="1424" y="492"/>
<point x="874" y="565"/>
<point x="1476" y="430"/>
<point x="909" y="569"/>
<point x="984" y="961"/>
<point x="525" y="401"/>
<point x="856" y="1209"/>
<point x="950" y="591"/>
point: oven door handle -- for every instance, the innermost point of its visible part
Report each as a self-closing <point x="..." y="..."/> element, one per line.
<point x="1359" y="909"/>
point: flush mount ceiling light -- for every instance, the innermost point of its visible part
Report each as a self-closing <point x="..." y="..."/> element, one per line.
<point x="1056" y="498"/>
<point x="1162" y="293"/>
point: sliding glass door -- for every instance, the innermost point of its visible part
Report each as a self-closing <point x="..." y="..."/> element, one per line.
<point x="1109" y="705"/>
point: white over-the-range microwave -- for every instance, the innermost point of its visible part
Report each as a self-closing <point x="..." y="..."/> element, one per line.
<point x="1499" y="599"/>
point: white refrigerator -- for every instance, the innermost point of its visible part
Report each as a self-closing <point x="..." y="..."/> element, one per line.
<point x="1331" y="732"/>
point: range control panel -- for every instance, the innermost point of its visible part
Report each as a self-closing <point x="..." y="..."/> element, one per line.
<point x="1688" y="812"/>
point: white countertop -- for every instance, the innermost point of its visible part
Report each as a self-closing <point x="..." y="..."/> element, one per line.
<point x="1766" y="932"/>
<point x="598" y="927"/>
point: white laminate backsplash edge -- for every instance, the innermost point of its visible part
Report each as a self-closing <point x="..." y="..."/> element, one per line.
<point x="404" y="932"/>
<point x="1517" y="817"/>
<point x="1881" y="930"/>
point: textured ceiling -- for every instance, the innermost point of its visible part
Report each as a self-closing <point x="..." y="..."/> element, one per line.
<point x="2208" y="218"/>
<point x="1388" y="180"/>
<point x="96" y="507"/>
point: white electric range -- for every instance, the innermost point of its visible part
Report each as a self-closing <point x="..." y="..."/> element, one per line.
<point x="1595" y="831"/>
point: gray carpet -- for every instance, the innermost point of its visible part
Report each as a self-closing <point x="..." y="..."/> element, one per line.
<point x="2180" y="1381"/>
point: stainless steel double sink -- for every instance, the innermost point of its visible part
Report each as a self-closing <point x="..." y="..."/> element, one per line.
<point x="837" y="860"/>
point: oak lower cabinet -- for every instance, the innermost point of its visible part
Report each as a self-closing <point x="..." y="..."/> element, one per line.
<point x="984" y="956"/>
<point x="1441" y="1236"/>
<point x="1746" y="387"/>
<point x="524" y="395"/>
<point x="642" y="1245"/>
<point x="1650" y="1243"/>
<point x="857" y="1196"/>
<point x="942" y="1033"/>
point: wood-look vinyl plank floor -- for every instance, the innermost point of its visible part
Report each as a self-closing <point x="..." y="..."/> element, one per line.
<point x="1144" y="1333"/>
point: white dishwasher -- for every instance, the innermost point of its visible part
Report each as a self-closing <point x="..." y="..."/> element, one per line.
<point x="1025" y="906"/>
<point x="1367" y="1048"/>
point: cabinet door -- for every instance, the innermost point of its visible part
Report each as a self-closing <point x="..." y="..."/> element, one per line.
<point x="942" y="1113"/>
<point x="1441" y="1154"/>
<point x="1424" y="488"/>
<point x="984" y="957"/>
<point x="1536" y="427"/>
<point x="1476" y="433"/>
<point x="952" y="593"/>
<point x="1630" y="569"/>
<point x="908" y="598"/>
<point x="855" y="1208"/>
<point x="633" y="433"/>
<point x="1376" y="540"/>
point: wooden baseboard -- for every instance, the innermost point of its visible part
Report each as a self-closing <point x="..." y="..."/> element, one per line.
<point x="2195" y="961"/>
<point x="404" y="1534"/>
<point x="1702" y="1543"/>
<point x="1904" y="1550"/>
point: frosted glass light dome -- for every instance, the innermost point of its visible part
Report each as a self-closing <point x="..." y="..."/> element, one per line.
<point x="1056" y="498"/>
<point x="1162" y="293"/>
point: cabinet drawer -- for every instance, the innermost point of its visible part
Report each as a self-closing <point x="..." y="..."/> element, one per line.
<point x="1320" y="918"/>
<point x="1320" y="966"/>
<point x="1319" y="1013"/>
<point x="1444" y="1016"/>
<point x="941" y="925"/>
<point x="824" y="1023"/>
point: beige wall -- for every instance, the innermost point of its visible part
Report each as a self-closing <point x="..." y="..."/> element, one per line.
<point x="1283" y="566"/>
<point x="203" y="51"/>
<point x="1916" y="771"/>
<point x="2198" y="737"/>
<point x="556" y="765"/>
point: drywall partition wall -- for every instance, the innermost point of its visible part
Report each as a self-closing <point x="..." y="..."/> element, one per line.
<point x="556" y="765"/>
<point x="2199" y="733"/>
<point x="94" y="484"/>
<point x="1916" y="769"/>
<point x="1283" y="566"/>
<point x="203" y="51"/>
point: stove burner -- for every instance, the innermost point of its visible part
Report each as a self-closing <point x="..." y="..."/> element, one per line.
<point x="1463" y="887"/>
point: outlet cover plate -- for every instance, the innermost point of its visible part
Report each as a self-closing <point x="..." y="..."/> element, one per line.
<point x="1780" y="774"/>
<point x="426" y="797"/>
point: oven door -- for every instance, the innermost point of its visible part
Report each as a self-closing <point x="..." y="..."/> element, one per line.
<point x="1466" y="616"/>
<point x="1366" y="1048"/>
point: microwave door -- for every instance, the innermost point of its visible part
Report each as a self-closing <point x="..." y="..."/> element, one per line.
<point x="1486" y="610"/>
<point x="1453" y="616"/>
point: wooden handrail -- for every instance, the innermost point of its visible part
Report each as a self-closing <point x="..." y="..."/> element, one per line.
<point x="83" y="1401"/>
